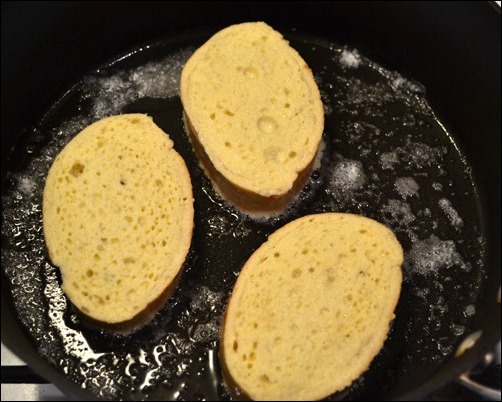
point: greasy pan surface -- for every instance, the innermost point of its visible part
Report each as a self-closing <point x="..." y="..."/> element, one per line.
<point x="385" y="157"/>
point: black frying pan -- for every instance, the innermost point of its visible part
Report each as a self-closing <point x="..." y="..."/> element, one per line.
<point x="378" y="124"/>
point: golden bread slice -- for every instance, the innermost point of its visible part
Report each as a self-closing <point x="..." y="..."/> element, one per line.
<point x="254" y="114"/>
<point x="311" y="308"/>
<point x="118" y="217"/>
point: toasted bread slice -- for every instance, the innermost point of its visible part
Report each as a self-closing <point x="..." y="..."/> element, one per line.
<point x="254" y="114"/>
<point x="118" y="217"/>
<point x="311" y="308"/>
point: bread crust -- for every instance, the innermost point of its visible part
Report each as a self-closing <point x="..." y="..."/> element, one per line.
<point x="251" y="203"/>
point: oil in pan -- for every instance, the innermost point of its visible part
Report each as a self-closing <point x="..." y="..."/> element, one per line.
<point x="385" y="156"/>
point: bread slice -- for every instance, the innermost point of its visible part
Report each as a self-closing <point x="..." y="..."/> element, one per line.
<point x="118" y="217"/>
<point x="311" y="308"/>
<point x="254" y="114"/>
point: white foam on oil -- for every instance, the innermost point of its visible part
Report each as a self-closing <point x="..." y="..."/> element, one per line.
<point x="346" y="177"/>
<point x="457" y="330"/>
<point x="469" y="310"/>
<point x="406" y="187"/>
<point x="420" y="155"/>
<point x="388" y="160"/>
<point x="451" y="213"/>
<point x="413" y="154"/>
<point x="158" y="79"/>
<point x="27" y="185"/>
<point x="437" y="186"/>
<point x="350" y="58"/>
<point x="432" y="255"/>
<point x="398" y="213"/>
<point x="401" y="83"/>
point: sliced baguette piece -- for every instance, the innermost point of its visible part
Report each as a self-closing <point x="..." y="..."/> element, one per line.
<point x="311" y="308"/>
<point x="118" y="218"/>
<point x="254" y="115"/>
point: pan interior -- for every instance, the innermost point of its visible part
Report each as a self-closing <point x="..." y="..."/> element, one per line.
<point x="385" y="155"/>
